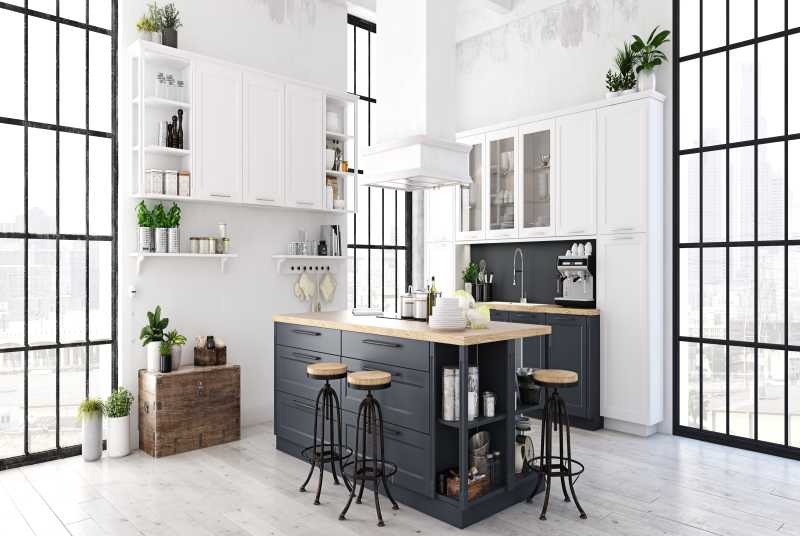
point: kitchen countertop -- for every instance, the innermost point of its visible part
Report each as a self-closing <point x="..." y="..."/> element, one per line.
<point x="542" y="308"/>
<point x="412" y="329"/>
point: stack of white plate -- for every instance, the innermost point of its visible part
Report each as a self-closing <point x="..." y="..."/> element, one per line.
<point x="447" y="315"/>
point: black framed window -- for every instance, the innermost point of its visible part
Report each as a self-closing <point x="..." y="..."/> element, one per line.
<point x="58" y="230"/>
<point x="379" y="236"/>
<point x="736" y="250"/>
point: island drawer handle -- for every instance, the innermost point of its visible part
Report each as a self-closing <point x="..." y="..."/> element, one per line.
<point x="306" y="356"/>
<point x="395" y="374"/>
<point x="382" y="343"/>
<point x="306" y="332"/>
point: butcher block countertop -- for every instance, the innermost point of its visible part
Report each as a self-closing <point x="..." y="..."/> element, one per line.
<point x="412" y="329"/>
<point x="542" y="308"/>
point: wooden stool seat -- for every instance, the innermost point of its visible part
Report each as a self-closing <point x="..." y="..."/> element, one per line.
<point x="326" y="371"/>
<point x="369" y="379"/>
<point x="555" y="377"/>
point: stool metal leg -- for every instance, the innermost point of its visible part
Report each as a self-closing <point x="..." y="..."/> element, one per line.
<point x="548" y="457"/>
<point x="355" y="466"/>
<point x="383" y="460"/>
<point x="363" y="424"/>
<point x="339" y="423"/>
<point x="333" y="453"/>
<point x="569" y="462"/>
<point x="541" y="448"/>
<point x="373" y="419"/>
<point x="313" y="458"/>
<point x="560" y="425"/>
<point x="322" y="446"/>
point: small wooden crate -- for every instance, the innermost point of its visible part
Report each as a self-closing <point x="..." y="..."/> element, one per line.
<point x="191" y="408"/>
<point x="203" y="357"/>
<point x="475" y="488"/>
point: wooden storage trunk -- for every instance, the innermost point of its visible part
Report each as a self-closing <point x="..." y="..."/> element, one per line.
<point x="191" y="408"/>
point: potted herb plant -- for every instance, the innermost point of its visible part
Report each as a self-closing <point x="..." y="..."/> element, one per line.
<point x="161" y="225"/>
<point x="648" y="57"/>
<point x="145" y="230"/>
<point x="152" y="335"/>
<point x="623" y="80"/>
<point x="91" y="412"/>
<point x="170" y="22"/>
<point x="118" y="411"/>
<point x="173" y="233"/>
<point x="470" y="274"/>
<point x="175" y="342"/>
<point x="149" y="24"/>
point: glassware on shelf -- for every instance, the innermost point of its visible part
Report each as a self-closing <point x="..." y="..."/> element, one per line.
<point x="180" y="90"/>
<point x="160" y="88"/>
<point x="171" y="88"/>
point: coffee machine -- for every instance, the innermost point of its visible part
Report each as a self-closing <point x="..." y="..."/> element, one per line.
<point x="575" y="285"/>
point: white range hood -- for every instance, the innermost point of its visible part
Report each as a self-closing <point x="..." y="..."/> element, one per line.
<point x="414" y="128"/>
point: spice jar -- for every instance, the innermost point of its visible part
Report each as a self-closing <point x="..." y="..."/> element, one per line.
<point x="202" y="245"/>
<point x="171" y="182"/>
<point x="184" y="183"/>
<point x="212" y="244"/>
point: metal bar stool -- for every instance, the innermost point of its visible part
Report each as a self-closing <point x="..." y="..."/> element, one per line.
<point x="318" y="454"/>
<point x="555" y="418"/>
<point x="370" y="420"/>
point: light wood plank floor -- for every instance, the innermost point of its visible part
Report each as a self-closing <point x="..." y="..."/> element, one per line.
<point x="632" y="487"/>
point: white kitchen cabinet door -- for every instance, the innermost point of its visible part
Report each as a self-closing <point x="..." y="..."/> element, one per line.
<point x="623" y="157"/>
<point x="440" y="263"/>
<point x="304" y="147"/>
<point x="576" y="164"/>
<point x="536" y="192"/>
<point x="218" y="132"/>
<point x="630" y="343"/>
<point x="263" y="139"/>
<point x="439" y="214"/>
<point x="502" y="218"/>
<point x="470" y="207"/>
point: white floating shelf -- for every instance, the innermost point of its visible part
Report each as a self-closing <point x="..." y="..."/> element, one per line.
<point x="338" y="135"/>
<point x="157" y="149"/>
<point x="221" y="257"/>
<point x="223" y="201"/>
<point x="159" y="101"/>
<point x="297" y="264"/>
<point x="339" y="173"/>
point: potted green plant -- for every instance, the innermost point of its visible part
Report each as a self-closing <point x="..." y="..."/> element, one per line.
<point x="90" y="413"/>
<point x="118" y="411"/>
<point x="170" y="22"/>
<point x="623" y="80"/>
<point x="161" y="225"/>
<point x="173" y="233"/>
<point x="175" y="341"/>
<point x="470" y="275"/>
<point x="149" y="25"/>
<point x="648" y="57"/>
<point x="152" y="335"/>
<point x="145" y="229"/>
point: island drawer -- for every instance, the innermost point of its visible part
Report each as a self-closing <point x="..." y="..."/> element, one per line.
<point x="390" y="350"/>
<point x="410" y="450"/>
<point x="309" y="338"/>
<point x="294" y="419"/>
<point x="290" y="371"/>
<point x="405" y="403"/>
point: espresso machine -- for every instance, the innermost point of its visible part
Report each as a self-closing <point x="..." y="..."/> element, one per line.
<point x="575" y="285"/>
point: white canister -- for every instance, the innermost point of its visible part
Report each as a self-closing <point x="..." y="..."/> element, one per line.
<point x="223" y="230"/>
<point x="473" y="400"/>
<point x="145" y="239"/>
<point x="184" y="183"/>
<point x="171" y="182"/>
<point x="449" y="393"/>
<point x="202" y="243"/>
<point x="421" y="305"/>
<point x="488" y="403"/>
<point x="173" y="240"/>
<point x="407" y="306"/>
<point x="156" y="181"/>
<point x="329" y="197"/>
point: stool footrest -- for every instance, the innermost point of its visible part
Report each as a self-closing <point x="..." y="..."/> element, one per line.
<point x="558" y="467"/>
<point x="326" y="453"/>
<point x="368" y="473"/>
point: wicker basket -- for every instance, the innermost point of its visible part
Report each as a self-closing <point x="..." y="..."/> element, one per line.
<point x="476" y="487"/>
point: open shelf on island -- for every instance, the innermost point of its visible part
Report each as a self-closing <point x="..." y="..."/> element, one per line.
<point x="475" y="423"/>
<point x="222" y="257"/>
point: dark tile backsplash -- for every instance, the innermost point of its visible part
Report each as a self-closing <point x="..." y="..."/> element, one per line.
<point x="540" y="268"/>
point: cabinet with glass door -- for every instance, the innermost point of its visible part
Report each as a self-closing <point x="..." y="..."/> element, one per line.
<point x="501" y="187"/>
<point x="536" y="193"/>
<point x="470" y="200"/>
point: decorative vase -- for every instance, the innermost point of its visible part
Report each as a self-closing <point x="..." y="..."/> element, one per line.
<point x="174" y="240"/>
<point x="145" y="36"/>
<point x="468" y="288"/>
<point x="145" y="239"/>
<point x="155" y="37"/>
<point x="169" y="37"/>
<point x="176" y="357"/>
<point x="153" y="356"/>
<point x="92" y="438"/>
<point x="162" y="240"/>
<point x="647" y="80"/>
<point x="119" y="436"/>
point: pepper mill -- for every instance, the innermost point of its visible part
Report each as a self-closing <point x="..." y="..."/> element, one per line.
<point x="180" y="129"/>
<point x="175" y="132"/>
<point x="170" y="135"/>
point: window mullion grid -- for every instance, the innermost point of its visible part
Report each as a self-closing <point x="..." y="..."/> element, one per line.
<point x="727" y="220"/>
<point x="86" y="252"/>
<point x="369" y="242"/>
<point x="58" y="228"/>
<point x="383" y="251"/>
<point x="114" y="195"/>
<point x="755" y="221"/>
<point x="396" y="241"/>
<point x="786" y="226"/>
<point x="26" y="261"/>
<point x="702" y="237"/>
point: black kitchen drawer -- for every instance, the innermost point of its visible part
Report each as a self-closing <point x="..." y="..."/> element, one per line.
<point x="290" y="371"/>
<point x="324" y="340"/>
<point x="405" y="403"/>
<point x="410" y="450"/>
<point x="532" y="347"/>
<point x="390" y="350"/>
<point x="294" y="419"/>
<point x="498" y="316"/>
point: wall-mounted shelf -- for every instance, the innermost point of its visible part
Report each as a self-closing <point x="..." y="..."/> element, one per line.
<point x="223" y="201"/>
<point x="167" y="103"/>
<point x="297" y="264"/>
<point x="157" y="149"/>
<point x="338" y="135"/>
<point x="339" y="173"/>
<point x="223" y="258"/>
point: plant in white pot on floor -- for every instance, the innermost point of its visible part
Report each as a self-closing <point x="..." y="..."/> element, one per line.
<point x="161" y="225"/>
<point x="152" y="335"/>
<point x="173" y="229"/>
<point x="648" y="57"/>
<point x="118" y="411"/>
<point x="90" y="412"/>
<point x="145" y="230"/>
<point x="175" y="342"/>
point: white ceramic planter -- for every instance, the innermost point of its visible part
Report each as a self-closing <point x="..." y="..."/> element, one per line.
<point x="173" y="240"/>
<point x="153" y="356"/>
<point x="162" y="240"/>
<point x="647" y="80"/>
<point x="176" y="357"/>
<point x="119" y="436"/>
<point x="92" y="438"/>
<point x="145" y="239"/>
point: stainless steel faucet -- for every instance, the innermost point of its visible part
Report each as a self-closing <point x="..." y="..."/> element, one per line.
<point x="522" y="298"/>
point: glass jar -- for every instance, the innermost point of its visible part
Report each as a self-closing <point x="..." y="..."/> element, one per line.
<point x="184" y="183"/>
<point x="488" y="403"/>
<point x="154" y="183"/>
<point x="180" y="92"/>
<point x="170" y="182"/>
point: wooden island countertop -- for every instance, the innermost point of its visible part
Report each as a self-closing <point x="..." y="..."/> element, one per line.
<point x="413" y="329"/>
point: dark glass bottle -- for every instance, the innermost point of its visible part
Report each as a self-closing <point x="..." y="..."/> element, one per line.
<point x="180" y="129"/>
<point x="322" y="249"/>
<point x="170" y="135"/>
<point x="174" y="132"/>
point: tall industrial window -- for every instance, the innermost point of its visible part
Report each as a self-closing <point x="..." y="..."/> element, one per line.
<point x="737" y="223"/>
<point x="58" y="247"/>
<point x="379" y="236"/>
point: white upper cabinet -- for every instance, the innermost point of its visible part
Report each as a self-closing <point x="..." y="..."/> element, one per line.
<point x="535" y="191"/>
<point x="624" y="139"/>
<point x="470" y="201"/>
<point x="304" y="137"/>
<point x="501" y="216"/>
<point x="218" y="132"/>
<point x="439" y="208"/>
<point x="577" y="173"/>
<point x="263" y="139"/>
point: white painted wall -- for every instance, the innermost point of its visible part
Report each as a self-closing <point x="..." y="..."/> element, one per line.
<point x="545" y="55"/>
<point x="302" y="39"/>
